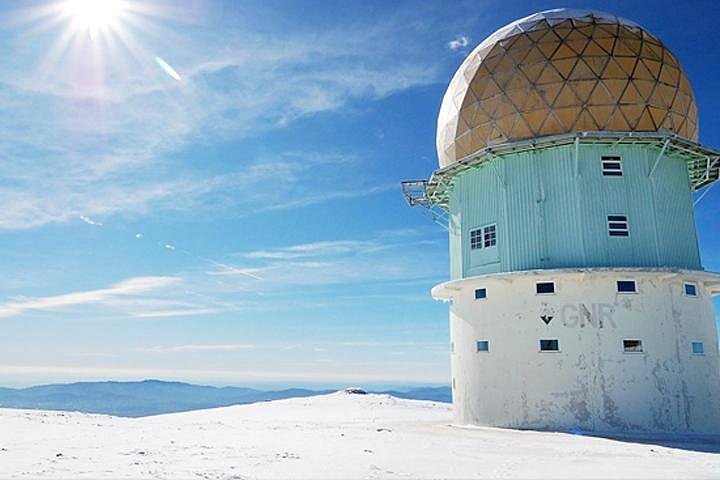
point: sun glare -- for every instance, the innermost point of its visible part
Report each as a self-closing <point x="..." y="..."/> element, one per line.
<point x="94" y="15"/>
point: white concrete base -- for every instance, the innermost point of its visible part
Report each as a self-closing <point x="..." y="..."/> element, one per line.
<point x="591" y="383"/>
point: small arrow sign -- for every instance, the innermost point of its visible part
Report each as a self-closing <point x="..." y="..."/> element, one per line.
<point x="546" y="318"/>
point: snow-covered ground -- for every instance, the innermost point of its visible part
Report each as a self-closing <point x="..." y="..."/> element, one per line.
<point x="330" y="436"/>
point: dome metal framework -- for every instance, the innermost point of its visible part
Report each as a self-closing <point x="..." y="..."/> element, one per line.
<point x="564" y="71"/>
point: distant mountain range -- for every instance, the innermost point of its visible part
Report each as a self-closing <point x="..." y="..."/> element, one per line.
<point x="153" y="397"/>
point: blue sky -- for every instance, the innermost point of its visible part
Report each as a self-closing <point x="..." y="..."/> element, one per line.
<point x="210" y="193"/>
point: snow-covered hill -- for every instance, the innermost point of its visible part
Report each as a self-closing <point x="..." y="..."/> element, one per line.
<point x="330" y="436"/>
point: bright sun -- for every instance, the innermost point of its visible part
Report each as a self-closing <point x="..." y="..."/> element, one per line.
<point x="94" y="15"/>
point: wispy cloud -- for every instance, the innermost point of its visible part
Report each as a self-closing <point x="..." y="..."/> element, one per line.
<point x="461" y="41"/>
<point x="200" y="348"/>
<point x="131" y="286"/>
<point x="97" y="149"/>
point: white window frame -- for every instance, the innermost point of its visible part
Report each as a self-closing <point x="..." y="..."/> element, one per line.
<point x="617" y="287"/>
<point x="702" y="347"/>
<point x="618" y="231"/>
<point x="477" y="345"/>
<point x="695" y="285"/>
<point x="548" y="351"/>
<point x="642" y="346"/>
<point x="475" y="294"/>
<point x="611" y="172"/>
<point x="554" y="284"/>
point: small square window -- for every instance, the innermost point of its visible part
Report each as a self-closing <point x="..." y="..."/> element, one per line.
<point x="480" y="293"/>
<point x="626" y="286"/>
<point x="690" y="289"/>
<point x="612" y="166"/>
<point x="489" y="236"/>
<point x="618" y="226"/>
<point x="550" y="345"/>
<point x="476" y="238"/>
<point x="633" y="346"/>
<point x="544" y="288"/>
<point x="483" y="346"/>
<point x="698" y="348"/>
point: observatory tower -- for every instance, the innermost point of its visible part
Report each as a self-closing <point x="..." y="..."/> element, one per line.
<point x="568" y="149"/>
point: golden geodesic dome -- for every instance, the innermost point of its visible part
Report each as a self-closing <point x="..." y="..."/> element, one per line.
<point x="563" y="71"/>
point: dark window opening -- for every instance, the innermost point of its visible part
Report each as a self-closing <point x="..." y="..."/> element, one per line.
<point x="691" y="290"/>
<point x="480" y="293"/>
<point x="549" y="345"/>
<point x="612" y="166"/>
<point x="626" y="286"/>
<point x="632" y="346"/>
<point x="483" y="346"/>
<point x="618" y="226"/>
<point x="545" y="287"/>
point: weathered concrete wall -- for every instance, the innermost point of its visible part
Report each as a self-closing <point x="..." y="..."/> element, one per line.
<point x="591" y="383"/>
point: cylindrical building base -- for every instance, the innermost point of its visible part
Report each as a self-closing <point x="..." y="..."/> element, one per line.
<point x="587" y="352"/>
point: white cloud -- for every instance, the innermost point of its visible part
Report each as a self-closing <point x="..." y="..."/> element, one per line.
<point x="90" y="221"/>
<point x="200" y="348"/>
<point x="131" y="286"/>
<point x="101" y="156"/>
<point x="460" y="42"/>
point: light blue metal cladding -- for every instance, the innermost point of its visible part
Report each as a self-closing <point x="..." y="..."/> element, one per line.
<point x="551" y="207"/>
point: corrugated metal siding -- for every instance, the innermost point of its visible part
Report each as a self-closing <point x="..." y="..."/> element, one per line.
<point x="551" y="216"/>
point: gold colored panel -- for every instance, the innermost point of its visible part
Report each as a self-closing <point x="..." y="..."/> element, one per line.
<point x="617" y="122"/>
<point x="585" y="122"/>
<point x="506" y="124"/>
<point x="535" y="120"/>
<point x="549" y="75"/>
<point x="566" y="97"/>
<point x="518" y="54"/>
<point x="596" y="64"/>
<point x="563" y="51"/>
<point x="615" y="87"/>
<point x="631" y="95"/>
<point x="534" y="101"/>
<point x="565" y="66"/>
<point x="518" y="97"/>
<point x="532" y="72"/>
<point x="645" y="87"/>
<point x="551" y="126"/>
<point x="669" y="74"/>
<point x="548" y="48"/>
<point x="534" y="56"/>
<point x="613" y="70"/>
<point x="641" y="72"/>
<point x="517" y="80"/>
<point x="632" y="114"/>
<point x="463" y="144"/>
<point x="601" y="114"/>
<point x="605" y="30"/>
<point x="583" y="89"/>
<point x="606" y="43"/>
<point x="489" y="105"/>
<point x="520" y="130"/>
<point x="627" y="64"/>
<point x="658" y="115"/>
<point x="649" y="51"/>
<point x="575" y="35"/>
<point x="593" y="49"/>
<point x="536" y="35"/>
<point x="550" y="37"/>
<point x="581" y="71"/>
<point x="652" y="66"/>
<point x="577" y="46"/>
<point x="664" y="95"/>
<point x="586" y="30"/>
<point x="645" y="123"/>
<point x="568" y="116"/>
<point x="505" y="107"/>
<point x="601" y="96"/>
